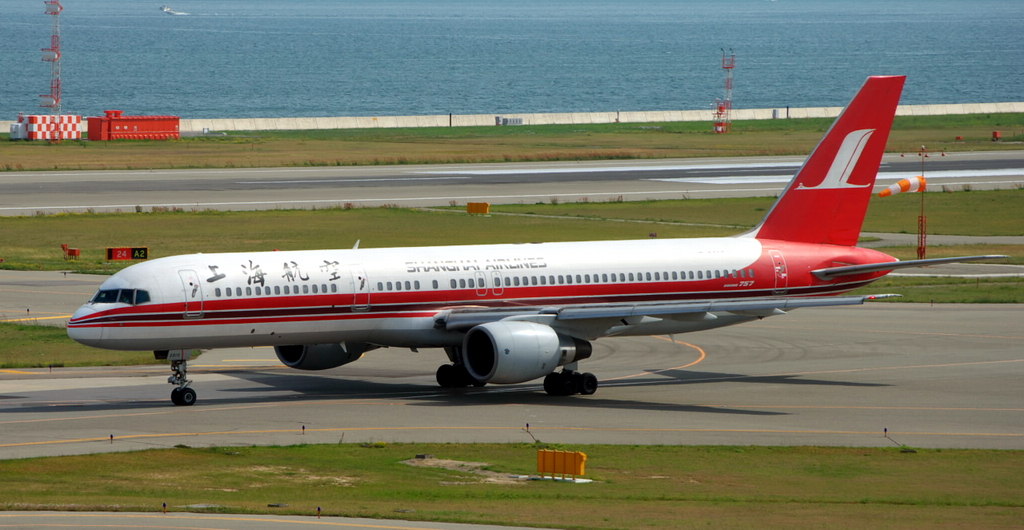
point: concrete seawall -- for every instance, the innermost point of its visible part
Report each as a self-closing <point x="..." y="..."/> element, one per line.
<point x="476" y="120"/>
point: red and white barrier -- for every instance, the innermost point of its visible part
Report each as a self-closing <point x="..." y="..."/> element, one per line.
<point x="44" y="127"/>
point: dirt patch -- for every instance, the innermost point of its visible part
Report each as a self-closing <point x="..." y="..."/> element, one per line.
<point x="475" y="468"/>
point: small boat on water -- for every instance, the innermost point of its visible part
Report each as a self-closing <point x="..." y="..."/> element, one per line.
<point x="170" y="11"/>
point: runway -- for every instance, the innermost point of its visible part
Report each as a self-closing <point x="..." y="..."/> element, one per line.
<point x="31" y="193"/>
<point x="944" y="376"/>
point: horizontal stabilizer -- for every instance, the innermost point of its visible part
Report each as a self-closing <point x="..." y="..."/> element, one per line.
<point x="849" y="270"/>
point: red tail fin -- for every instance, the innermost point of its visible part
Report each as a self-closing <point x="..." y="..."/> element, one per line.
<point x="826" y="201"/>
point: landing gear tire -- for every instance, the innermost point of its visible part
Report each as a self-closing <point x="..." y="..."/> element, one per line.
<point x="567" y="383"/>
<point x="183" y="396"/>
<point x="188" y="397"/>
<point x="587" y="384"/>
<point x="456" y="376"/>
<point x="445" y="376"/>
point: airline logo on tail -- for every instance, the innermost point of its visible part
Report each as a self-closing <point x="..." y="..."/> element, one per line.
<point x="838" y="175"/>
<point x="826" y="201"/>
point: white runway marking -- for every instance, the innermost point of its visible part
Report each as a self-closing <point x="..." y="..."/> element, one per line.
<point x="607" y="169"/>
<point x="893" y="175"/>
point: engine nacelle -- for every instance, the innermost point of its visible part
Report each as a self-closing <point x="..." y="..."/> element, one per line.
<point x="321" y="356"/>
<point x="512" y="351"/>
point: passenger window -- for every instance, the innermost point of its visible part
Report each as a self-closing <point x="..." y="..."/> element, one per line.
<point x="398" y="286"/>
<point x="508" y="281"/>
<point x="543" y="280"/>
<point x="248" y="291"/>
<point x="700" y="275"/>
<point x="515" y="280"/>
<point x="657" y="276"/>
<point x="631" y="276"/>
<point x="227" y="292"/>
<point x="435" y="284"/>
<point x="551" y="280"/>
<point x="472" y="283"/>
<point x="561" y="279"/>
<point x="717" y="275"/>
<point x="579" y="279"/>
<point x="648" y="276"/>
<point x="391" y="286"/>
<point x="380" y="286"/>
<point x="533" y="280"/>
<point x="462" y="283"/>
<point x="259" y="290"/>
<point x="416" y="285"/>
<point x="751" y="273"/>
<point x="315" y="290"/>
<point x="216" y="292"/>
<point x="277" y="289"/>
<point x="674" y="277"/>
<point x="454" y="284"/>
<point x="568" y="279"/>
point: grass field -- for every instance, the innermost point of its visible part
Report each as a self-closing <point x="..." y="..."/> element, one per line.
<point x="33" y="242"/>
<point x="500" y="144"/>
<point x="31" y="346"/>
<point x="635" y="487"/>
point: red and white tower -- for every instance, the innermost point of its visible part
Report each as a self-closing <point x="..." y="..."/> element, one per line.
<point x="723" y="107"/>
<point x="52" y="56"/>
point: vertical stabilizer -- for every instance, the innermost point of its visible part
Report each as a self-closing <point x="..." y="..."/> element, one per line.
<point x="826" y="201"/>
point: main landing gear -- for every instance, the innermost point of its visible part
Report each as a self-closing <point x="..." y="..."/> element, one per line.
<point x="569" y="382"/>
<point x="456" y="376"/>
<point x="182" y="394"/>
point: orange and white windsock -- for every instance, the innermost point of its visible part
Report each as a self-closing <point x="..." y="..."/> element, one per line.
<point x="905" y="186"/>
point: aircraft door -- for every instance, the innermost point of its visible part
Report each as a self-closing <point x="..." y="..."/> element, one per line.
<point x="193" y="291"/>
<point x="360" y="289"/>
<point x="781" y="273"/>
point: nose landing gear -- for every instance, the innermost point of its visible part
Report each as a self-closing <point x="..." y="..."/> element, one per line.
<point x="183" y="394"/>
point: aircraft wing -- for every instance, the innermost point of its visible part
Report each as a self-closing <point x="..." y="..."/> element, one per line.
<point x="463" y="319"/>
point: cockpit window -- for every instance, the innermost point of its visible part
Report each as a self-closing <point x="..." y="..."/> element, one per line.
<point x="122" y="296"/>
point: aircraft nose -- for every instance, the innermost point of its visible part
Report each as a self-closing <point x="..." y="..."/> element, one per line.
<point x="80" y="331"/>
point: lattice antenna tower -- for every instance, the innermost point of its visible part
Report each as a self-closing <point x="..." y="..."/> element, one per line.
<point x="52" y="56"/>
<point x="723" y="107"/>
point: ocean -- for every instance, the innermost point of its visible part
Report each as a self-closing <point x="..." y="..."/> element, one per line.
<point x="268" y="58"/>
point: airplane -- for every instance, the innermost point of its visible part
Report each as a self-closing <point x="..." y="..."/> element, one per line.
<point x="513" y="313"/>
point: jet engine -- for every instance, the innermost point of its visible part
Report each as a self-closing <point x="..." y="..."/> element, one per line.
<point x="512" y="351"/>
<point x="321" y="356"/>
